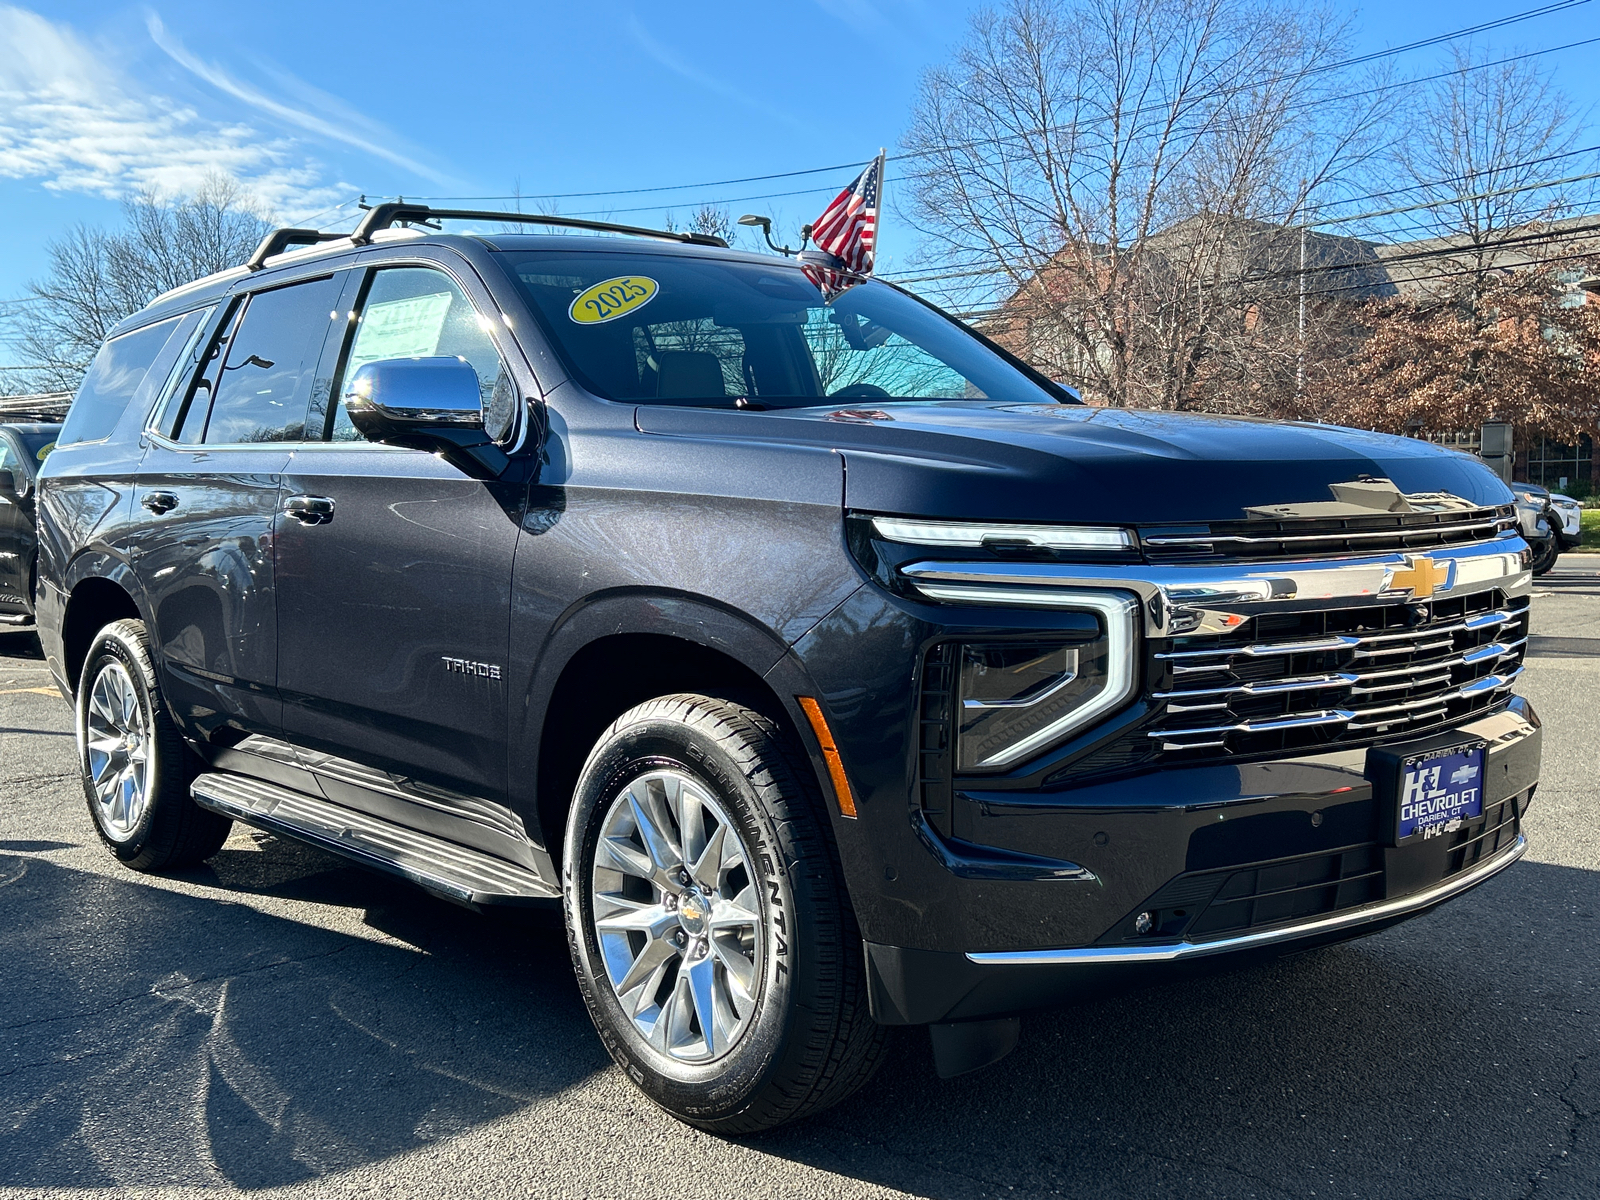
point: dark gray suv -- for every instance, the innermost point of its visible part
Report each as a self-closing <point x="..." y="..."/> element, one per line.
<point x="833" y="669"/>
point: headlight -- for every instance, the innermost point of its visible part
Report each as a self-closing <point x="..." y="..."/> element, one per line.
<point x="984" y="535"/>
<point x="1017" y="697"/>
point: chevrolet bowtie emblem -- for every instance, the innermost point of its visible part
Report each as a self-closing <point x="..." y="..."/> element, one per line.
<point x="1422" y="575"/>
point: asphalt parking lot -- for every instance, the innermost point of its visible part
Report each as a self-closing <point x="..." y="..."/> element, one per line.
<point x="280" y="1022"/>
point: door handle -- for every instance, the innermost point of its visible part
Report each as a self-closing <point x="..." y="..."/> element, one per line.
<point x="309" y="510"/>
<point x="159" y="502"/>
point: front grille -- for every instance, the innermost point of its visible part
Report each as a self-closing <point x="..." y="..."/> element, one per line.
<point x="1306" y="680"/>
<point x="1300" y="538"/>
<point x="1201" y="906"/>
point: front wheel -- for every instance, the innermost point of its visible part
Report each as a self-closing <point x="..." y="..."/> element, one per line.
<point x="1545" y="557"/>
<point x="136" y="770"/>
<point x="714" y="944"/>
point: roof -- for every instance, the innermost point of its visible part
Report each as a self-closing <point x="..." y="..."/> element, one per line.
<point x="213" y="287"/>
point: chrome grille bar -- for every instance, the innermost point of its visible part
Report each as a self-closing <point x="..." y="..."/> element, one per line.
<point x="1344" y="641"/>
<point x="1195" y="541"/>
<point x="1367" y="681"/>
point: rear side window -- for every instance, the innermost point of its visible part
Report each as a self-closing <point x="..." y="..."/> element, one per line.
<point x="113" y="378"/>
<point x="262" y="387"/>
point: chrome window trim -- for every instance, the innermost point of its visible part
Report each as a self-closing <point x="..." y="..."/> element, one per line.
<point x="1334" y="923"/>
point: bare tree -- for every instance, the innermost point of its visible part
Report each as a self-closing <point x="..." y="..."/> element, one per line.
<point x="1490" y="324"/>
<point x="97" y="278"/>
<point x="1475" y="150"/>
<point x="1120" y="169"/>
<point x="708" y="218"/>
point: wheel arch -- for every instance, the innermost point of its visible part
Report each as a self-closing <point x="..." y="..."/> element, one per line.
<point x="101" y="589"/>
<point x="622" y="650"/>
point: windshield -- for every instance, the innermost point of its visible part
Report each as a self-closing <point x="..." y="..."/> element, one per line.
<point x="701" y="331"/>
<point x="38" y="443"/>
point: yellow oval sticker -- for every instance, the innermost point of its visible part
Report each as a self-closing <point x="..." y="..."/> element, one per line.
<point x="44" y="451"/>
<point x="612" y="298"/>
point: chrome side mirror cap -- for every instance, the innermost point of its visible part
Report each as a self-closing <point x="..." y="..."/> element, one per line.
<point x="414" y="400"/>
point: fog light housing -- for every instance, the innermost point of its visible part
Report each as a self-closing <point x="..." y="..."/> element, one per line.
<point x="1017" y="697"/>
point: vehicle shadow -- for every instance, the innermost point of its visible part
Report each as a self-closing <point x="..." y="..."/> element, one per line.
<point x="161" y="1039"/>
<point x="20" y="644"/>
<point x="1454" y="1056"/>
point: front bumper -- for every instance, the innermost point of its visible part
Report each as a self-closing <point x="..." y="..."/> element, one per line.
<point x="909" y="985"/>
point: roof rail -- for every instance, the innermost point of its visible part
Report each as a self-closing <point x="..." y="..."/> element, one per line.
<point x="279" y="240"/>
<point x="382" y="216"/>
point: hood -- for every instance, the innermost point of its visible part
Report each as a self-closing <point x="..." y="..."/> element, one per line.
<point x="1071" y="463"/>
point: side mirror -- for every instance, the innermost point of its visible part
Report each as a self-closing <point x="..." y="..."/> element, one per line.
<point x="426" y="402"/>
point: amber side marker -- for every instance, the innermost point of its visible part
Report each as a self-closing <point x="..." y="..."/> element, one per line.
<point x="830" y="755"/>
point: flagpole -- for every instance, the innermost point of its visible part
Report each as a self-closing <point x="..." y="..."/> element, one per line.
<point x="877" y="229"/>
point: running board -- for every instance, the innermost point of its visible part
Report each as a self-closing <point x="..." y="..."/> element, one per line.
<point x="446" y="869"/>
<point x="20" y="620"/>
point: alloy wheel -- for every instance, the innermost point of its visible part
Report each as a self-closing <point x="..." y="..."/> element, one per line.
<point x="677" y="914"/>
<point x="117" y="745"/>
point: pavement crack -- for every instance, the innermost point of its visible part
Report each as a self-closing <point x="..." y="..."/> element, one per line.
<point x="56" y="1062"/>
<point x="39" y="778"/>
<point x="1560" y="1154"/>
<point x="173" y="991"/>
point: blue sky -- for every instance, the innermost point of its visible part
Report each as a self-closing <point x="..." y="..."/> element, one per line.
<point x="312" y="103"/>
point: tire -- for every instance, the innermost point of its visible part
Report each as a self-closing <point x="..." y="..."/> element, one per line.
<point x="142" y="809"/>
<point x="797" y="1036"/>
<point x="1545" y="557"/>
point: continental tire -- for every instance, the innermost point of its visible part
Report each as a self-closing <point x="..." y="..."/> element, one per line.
<point x="135" y="768"/>
<point x="708" y="922"/>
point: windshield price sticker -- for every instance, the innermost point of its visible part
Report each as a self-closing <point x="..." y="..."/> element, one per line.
<point x="612" y="298"/>
<point x="1439" y="791"/>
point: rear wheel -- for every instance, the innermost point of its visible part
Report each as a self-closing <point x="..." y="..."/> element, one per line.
<point x="713" y="941"/>
<point x="136" y="770"/>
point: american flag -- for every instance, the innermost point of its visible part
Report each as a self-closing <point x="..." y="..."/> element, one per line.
<point x="848" y="228"/>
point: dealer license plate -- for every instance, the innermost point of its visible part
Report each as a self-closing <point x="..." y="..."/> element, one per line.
<point x="1438" y="791"/>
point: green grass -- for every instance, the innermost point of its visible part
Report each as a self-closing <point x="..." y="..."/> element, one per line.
<point x="1591" y="532"/>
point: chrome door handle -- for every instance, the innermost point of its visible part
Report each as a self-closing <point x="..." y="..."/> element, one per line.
<point x="159" y="502"/>
<point x="309" y="510"/>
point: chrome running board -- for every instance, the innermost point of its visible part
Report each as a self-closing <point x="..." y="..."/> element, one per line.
<point x="1351" y="919"/>
<point x="454" y="872"/>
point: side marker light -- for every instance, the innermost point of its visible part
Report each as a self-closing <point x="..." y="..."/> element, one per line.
<point x="830" y="755"/>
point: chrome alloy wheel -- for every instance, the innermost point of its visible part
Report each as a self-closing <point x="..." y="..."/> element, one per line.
<point x="677" y="914"/>
<point x="117" y="748"/>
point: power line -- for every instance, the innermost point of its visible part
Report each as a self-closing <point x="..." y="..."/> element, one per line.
<point x="1438" y="39"/>
<point x="1557" y="238"/>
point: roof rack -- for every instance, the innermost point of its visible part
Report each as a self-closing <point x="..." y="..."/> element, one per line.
<point x="382" y="216"/>
<point x="279" y="240"/>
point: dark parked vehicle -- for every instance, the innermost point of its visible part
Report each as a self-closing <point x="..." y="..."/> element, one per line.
<point x="23" y="449"/>
<point x="833" y="669"/>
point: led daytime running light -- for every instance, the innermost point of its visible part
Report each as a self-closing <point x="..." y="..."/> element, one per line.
<point x="976" y="535"/>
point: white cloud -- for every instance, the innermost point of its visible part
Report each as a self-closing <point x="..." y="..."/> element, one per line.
<point x="72" y="120"/>
<point x="669" y="59"/>
<point x="342" y="123"/>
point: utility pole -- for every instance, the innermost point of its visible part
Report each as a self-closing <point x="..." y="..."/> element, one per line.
<point x="1300" y="357"/>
